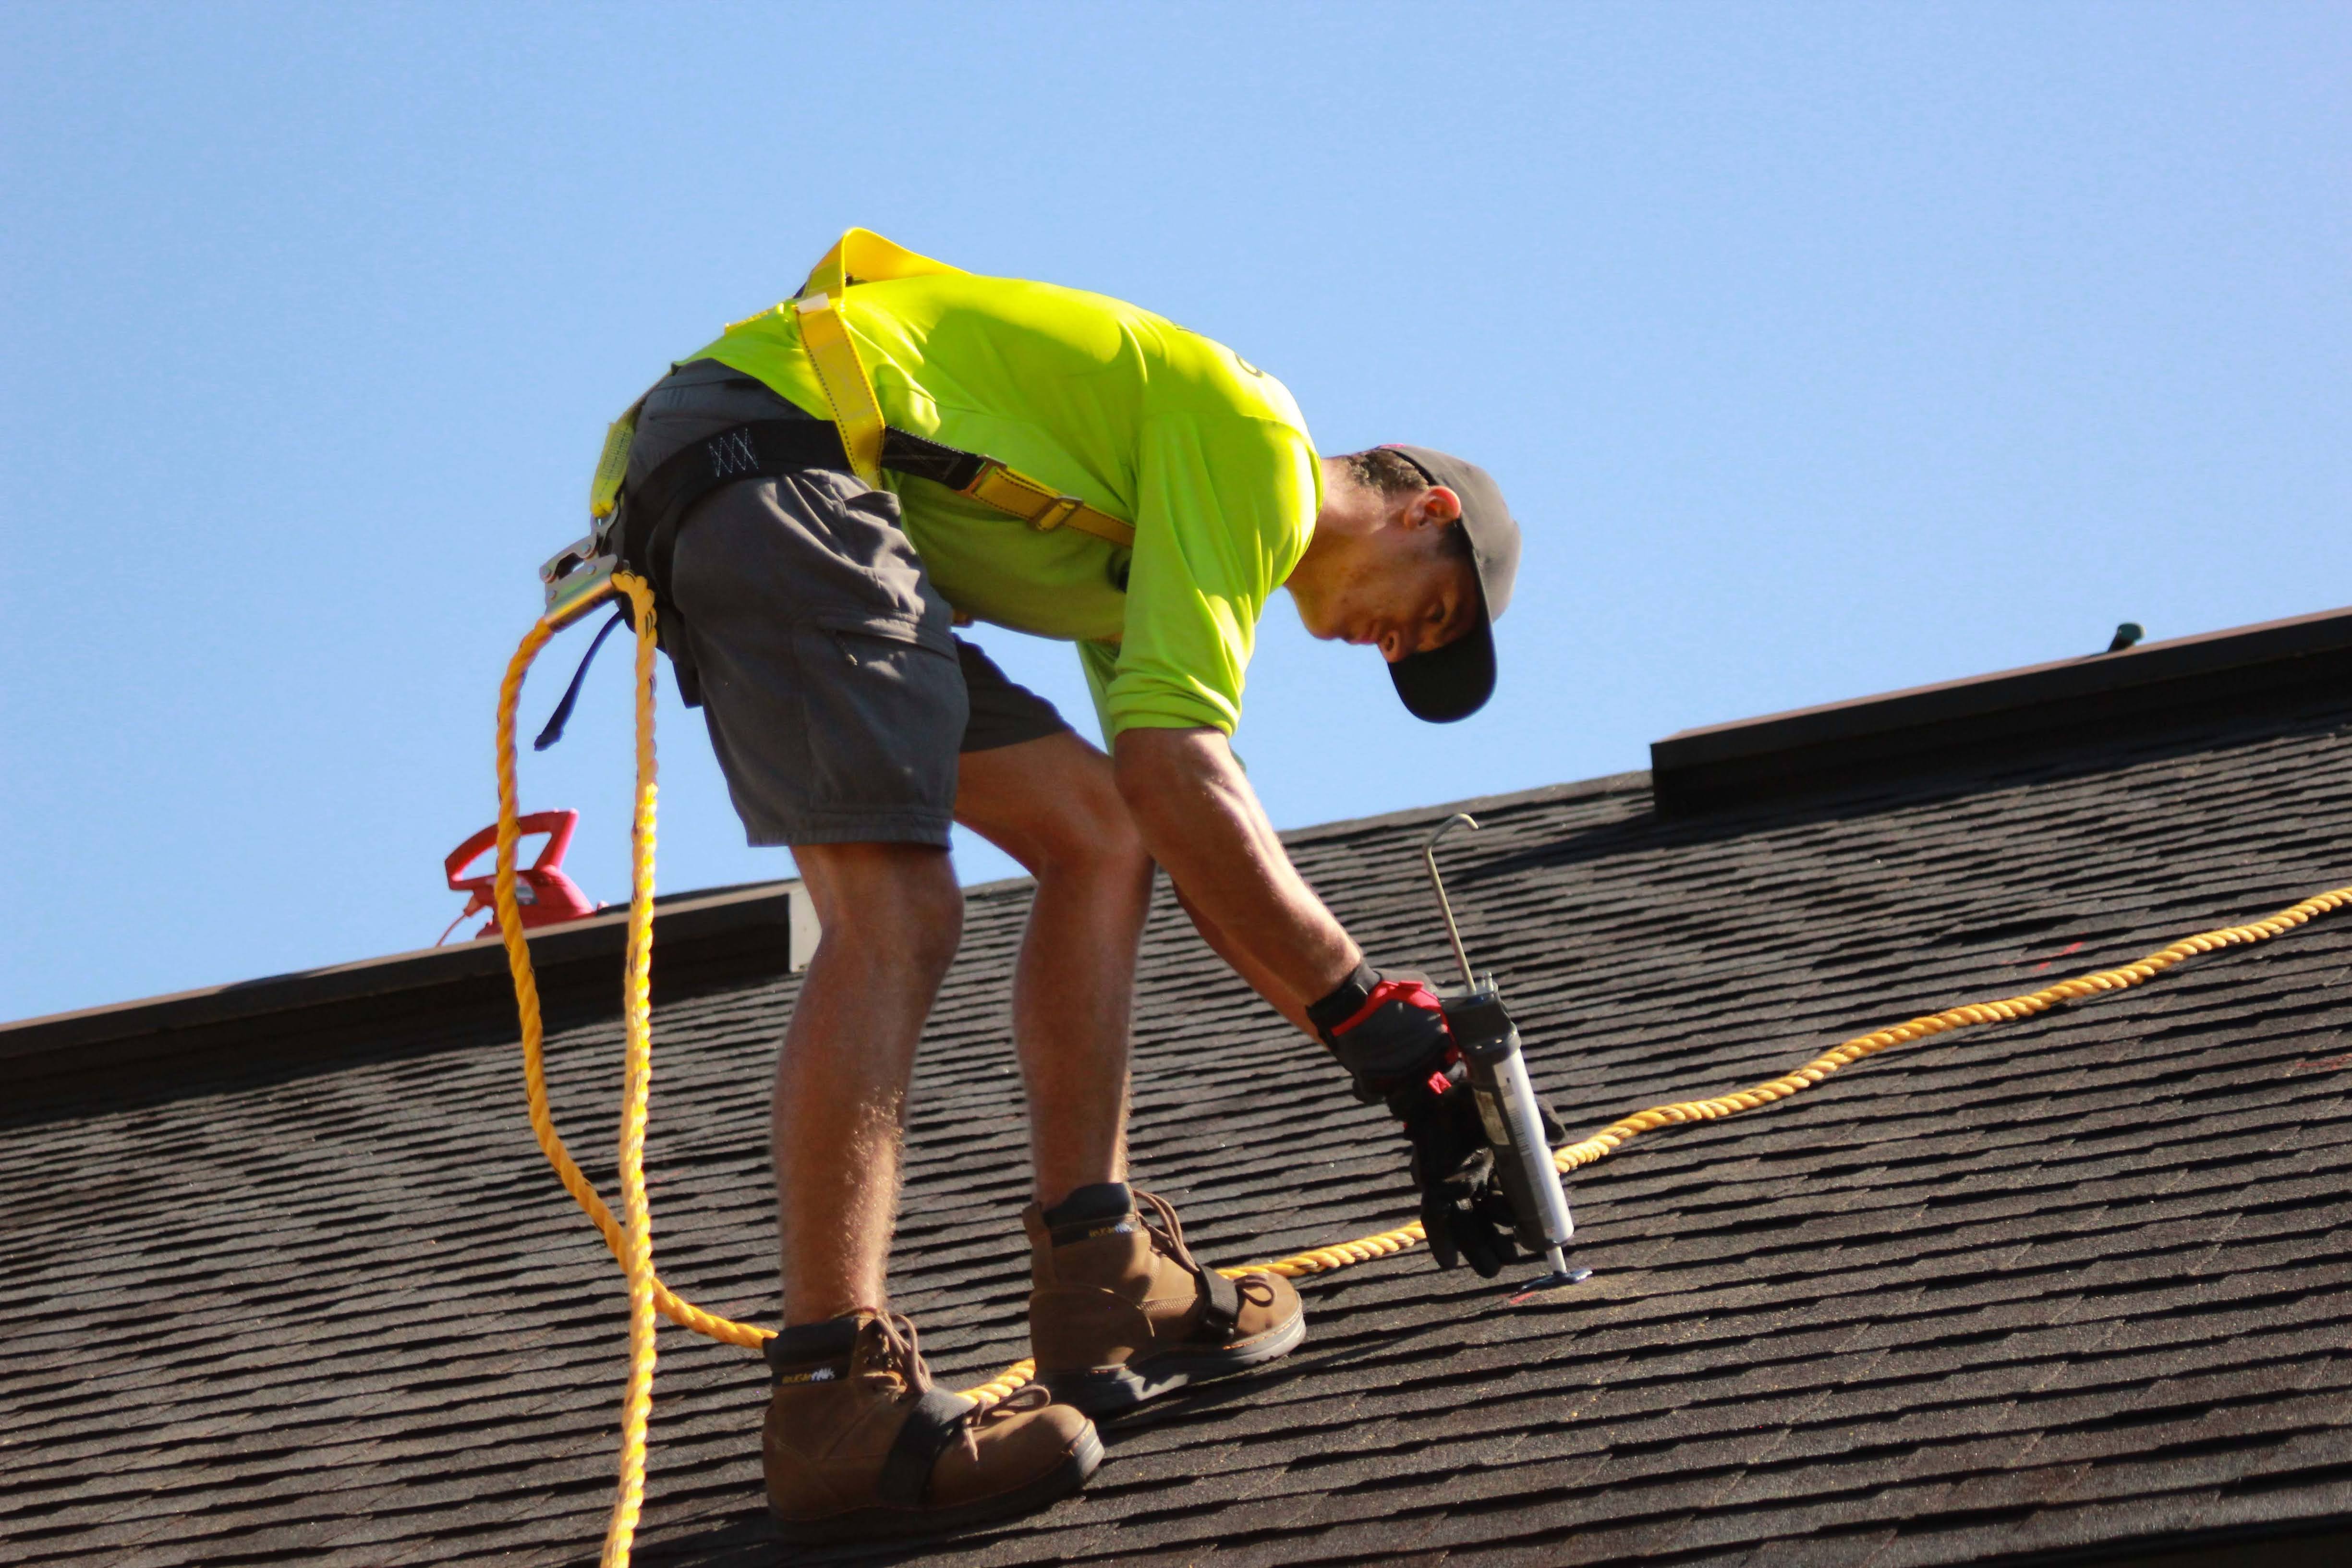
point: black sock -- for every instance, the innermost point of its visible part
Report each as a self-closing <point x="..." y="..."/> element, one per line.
<point x="828" y="1341"/>
<point x="1099" y="1201"/>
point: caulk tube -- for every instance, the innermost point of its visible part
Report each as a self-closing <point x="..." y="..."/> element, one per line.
<point x="1506" y="1098"/>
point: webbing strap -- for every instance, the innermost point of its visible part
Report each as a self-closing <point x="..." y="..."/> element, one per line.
<point x="562" y="714"/>
<point x="766" y="448"/>
<point x="761" y="448"/>
<point x="855" y="411"/>
<point x="936" y="1421"/>
<point x="1043" y="508"/>
<point x="859" y="416"/>
<point x="1221" y="1306"/>
<point x="613" y="464"/>
<point x="862" y="256"/>
<point x="864" y="439"/>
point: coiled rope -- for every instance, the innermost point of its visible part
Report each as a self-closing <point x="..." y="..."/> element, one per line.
<point x="632" y="1242"/>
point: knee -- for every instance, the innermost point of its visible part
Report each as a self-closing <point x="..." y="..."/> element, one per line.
<point x="888" y="902"/>
<point x="1094" y="839"/>
<point x="930" y="918"/>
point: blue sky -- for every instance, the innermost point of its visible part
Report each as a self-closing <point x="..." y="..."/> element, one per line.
<point x="1822" y="349"/>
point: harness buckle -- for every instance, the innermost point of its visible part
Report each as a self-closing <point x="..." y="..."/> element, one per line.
<point x="575" y="578"/>
<point x="1058" y="511"/>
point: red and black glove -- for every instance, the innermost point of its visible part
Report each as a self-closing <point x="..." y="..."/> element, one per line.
<point x="1390" y="1035"/>
<point x="1387" y="1033"/>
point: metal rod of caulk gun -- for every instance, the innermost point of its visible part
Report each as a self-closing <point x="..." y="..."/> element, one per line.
<point x="1445" y="906"/>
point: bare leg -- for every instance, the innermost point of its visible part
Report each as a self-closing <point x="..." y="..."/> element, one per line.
<point x="1052" y="806"/>
<point x="892" y="916"/>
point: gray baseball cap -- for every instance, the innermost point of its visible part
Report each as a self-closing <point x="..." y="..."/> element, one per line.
<point x="1455" y="681"/>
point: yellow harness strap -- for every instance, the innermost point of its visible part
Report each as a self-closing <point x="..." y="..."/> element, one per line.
<point x="613" y="464"/>
<point x="862" y="256"/>
<point x="838" y="369"/>
<point x="1041" y="507"/>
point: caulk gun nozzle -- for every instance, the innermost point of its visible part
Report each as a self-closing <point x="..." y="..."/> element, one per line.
<point x="1563" y="1275"/>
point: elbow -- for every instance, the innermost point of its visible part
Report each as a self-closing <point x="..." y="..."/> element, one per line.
<point x="1155" y="769"/>
<point x="1141" y="776"/>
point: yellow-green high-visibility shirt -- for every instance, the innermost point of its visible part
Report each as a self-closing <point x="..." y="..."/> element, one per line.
<point x="1203" y="452"/>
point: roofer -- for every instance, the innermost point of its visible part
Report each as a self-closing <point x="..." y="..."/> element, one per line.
<point x="807" y="493"/>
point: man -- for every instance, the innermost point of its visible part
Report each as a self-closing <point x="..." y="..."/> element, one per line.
<point x="809" y="609"/>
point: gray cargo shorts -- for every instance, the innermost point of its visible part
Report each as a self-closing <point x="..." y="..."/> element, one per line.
<point x="836" y="696"/>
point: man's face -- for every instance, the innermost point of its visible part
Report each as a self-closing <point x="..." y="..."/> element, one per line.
<point x="1402" y="590"/>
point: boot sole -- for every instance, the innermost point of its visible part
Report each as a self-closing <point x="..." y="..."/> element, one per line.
<point x="1111" y="1389"/>
<point x="897" y="1523"/>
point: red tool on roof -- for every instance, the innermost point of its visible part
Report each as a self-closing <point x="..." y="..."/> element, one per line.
<point x="546" y="894"/>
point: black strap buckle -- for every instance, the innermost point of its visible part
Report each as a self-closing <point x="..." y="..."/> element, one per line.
<point x="1221" y="1304"/>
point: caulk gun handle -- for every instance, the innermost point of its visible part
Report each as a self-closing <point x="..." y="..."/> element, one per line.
<point x="1512" y="1117"/>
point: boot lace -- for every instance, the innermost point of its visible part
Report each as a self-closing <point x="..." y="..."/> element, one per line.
<point x="891" y="1356"/>
<point x="1169" y="1236"/>
<point x="892" y="1359"/>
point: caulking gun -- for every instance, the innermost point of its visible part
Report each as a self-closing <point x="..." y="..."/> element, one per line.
<point x="1489" y="1043"/>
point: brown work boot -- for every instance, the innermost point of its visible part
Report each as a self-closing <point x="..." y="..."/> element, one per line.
<point x="860" y="1446"/>
<point x="1122" y="1313"/>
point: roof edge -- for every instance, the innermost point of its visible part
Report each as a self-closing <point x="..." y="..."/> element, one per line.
<point x="1754" y="758"/>
<point x="780" y="907"/>
<point x="1635" y="783"/>
<point x="730" y="911"/>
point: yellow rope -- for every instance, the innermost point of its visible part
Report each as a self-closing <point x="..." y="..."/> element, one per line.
<point x="543" y="1123"/>
<point x="633" y="1244"/>
<point x="636" y="1085"/>
<point x="2123" y="978"/>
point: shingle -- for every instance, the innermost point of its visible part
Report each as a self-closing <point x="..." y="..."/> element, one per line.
<point x="2070" y="1280"/>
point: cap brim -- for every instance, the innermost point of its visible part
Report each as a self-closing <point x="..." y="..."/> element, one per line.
<point x="1450" y="682"/>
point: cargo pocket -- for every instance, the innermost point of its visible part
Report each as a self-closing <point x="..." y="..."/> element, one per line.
<point x="885" y="709"/>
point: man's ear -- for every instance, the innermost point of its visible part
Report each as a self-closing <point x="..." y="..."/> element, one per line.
<point x="1435" y="506"/>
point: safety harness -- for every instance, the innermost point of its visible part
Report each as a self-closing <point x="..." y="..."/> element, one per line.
<point x="634" y="528"/>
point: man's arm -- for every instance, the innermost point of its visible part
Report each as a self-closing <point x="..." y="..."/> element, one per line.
<point x="1203" y="823"/>
<point x="1260" y="979"/>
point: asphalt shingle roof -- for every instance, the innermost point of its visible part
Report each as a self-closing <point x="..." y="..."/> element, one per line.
<point x="2079" y="1282"/>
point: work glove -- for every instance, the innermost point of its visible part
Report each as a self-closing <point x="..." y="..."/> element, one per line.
<point x="1391" y="1035"/>
<point x="1388" y="1032"/>
<point x="1465" y="1213"/>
